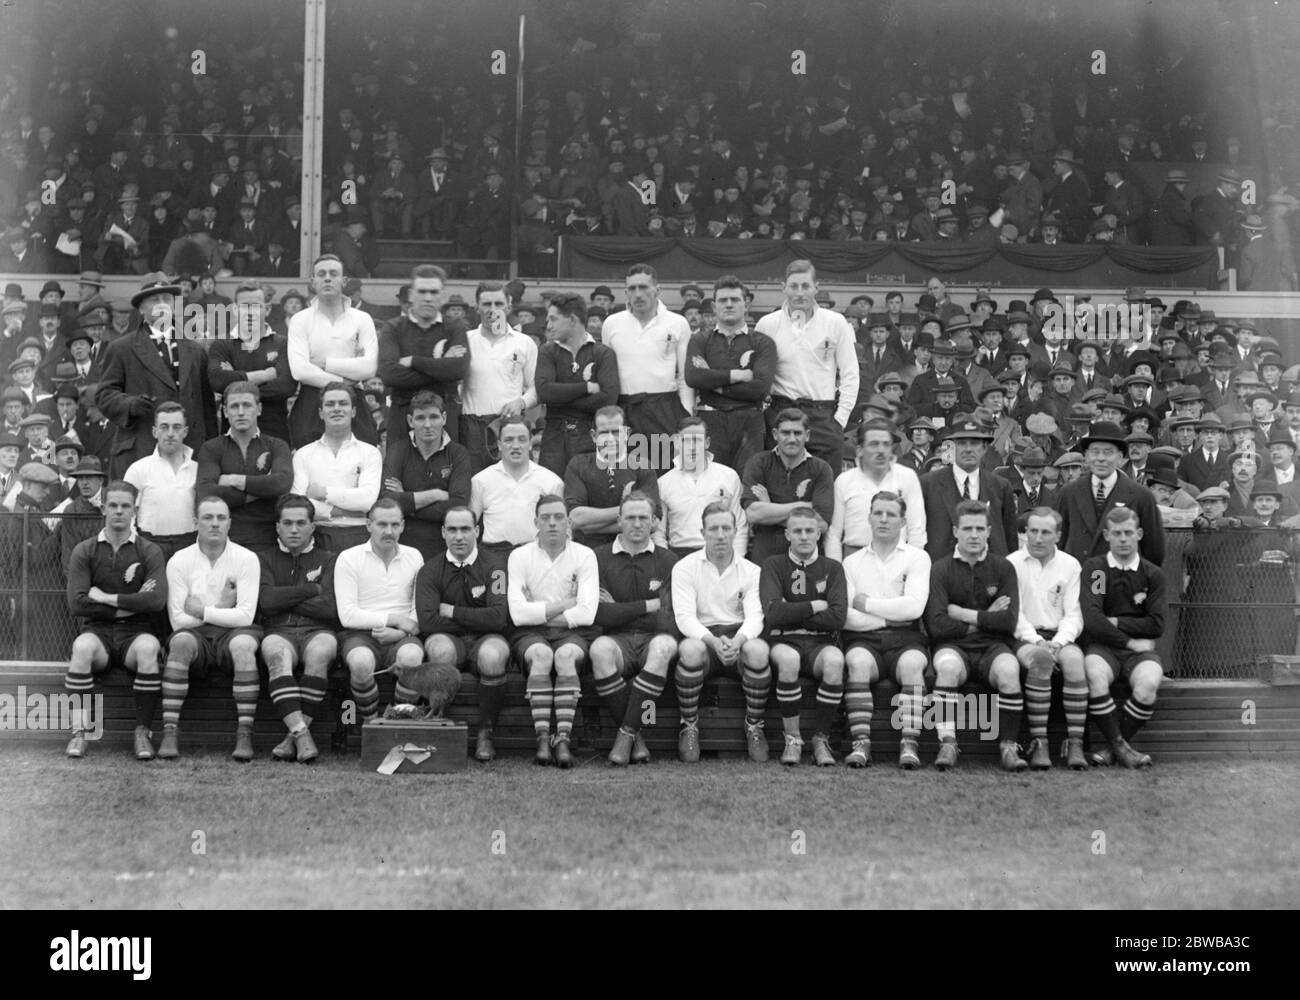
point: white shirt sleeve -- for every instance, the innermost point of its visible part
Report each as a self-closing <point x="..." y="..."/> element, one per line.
<point x="365" y="364"/>
<point x="530" y="373"/>
<point x="684" y="606"/>
<point x="584" y="613"/>
<point x="301" y="366"/>
<point x="835" y="533"/>
<point x="347" y="595"/>
<point x="846" y="360"/>
<point x="248" y="577"/>
<point x="916" y="523"/>
<point x="523" y="611"/>
<point x="752" y="626"/>
<point x="178" y="589"/>
<point x="1071" y="626"/>
<point x="362" y="496"/>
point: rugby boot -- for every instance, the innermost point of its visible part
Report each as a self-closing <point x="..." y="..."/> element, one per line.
<point x="1072" y="751"/>
<point x="640" y="752"/>
<point x="688" y="743"/>
<point x="1011" y="759"/>
<point x="77" y="745"/>
<point x="1040" y="756"/>
<point x="484" y="749"/>
<point x="543" y="756"/>
<point x="909" y="758"/>
<point x="563" y="757"/>
<point x="286" y="749"/>
<point x="860" y="755"/>
<point x="621" y="754"/>
<point x="1104" y="757"/>
<point x="305" y="747"/>
<point x="792" y="755"/>
<point x="143" y="743"/>
<point x="1129" y="757"/>
<point x="756" y="742"/>
<point x="947" y="758"/>
<point x="243" y="751"/>
<point x="821" y="751"/>
<point x="170" y="747"/>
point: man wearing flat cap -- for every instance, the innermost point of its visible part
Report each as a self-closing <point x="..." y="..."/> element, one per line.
<point x="124" y="243"/>
<point x="152" y="366"/>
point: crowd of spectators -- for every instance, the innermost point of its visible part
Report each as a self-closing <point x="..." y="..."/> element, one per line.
<point x="630" y="128"/>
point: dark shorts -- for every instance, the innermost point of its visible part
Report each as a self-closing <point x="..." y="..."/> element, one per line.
<point x="116" y="640"/>
<point x="809" y="647"/>
<point x="336" y="539"/>
<point x="886" y="645"/>
<point x="298" y="636"/>
<point x="467" y="647"/>
<point x="633" y="646"/>
<point x="214" y="647"/>
<point x="714" y="665"/>
<point x="553" y="637"/>
<point x="978" y="657"/>
<point x="385" y="656"/>
<point x="653" y="413"/>
<point x="1122" y="661"/>
<point x="825" y="435"/>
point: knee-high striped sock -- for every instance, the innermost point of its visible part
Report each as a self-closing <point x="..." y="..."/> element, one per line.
<point x="829" y="697"/>
<point x="911" y="703"/>
<point x="1136" y="715"/>
<point x="945" y="713"/>
<point x="646" y="687"/>
<point x="491" y="692"/>
<point x="613" y="695"/>
<point x="858" y="706"/>
<point x="1102" y="710"/>
<point x="80" y="686"/>
<point x="403" y="695"/>
<point x="311" y="692"/>
<point x="246" y="689"/>
<point x="1038" y="703"/>
<point x="366" y="695"/>
<point x="540" y="696"/>
<point x="788" y="696"/>
<point x="147" y="689"/>
<point x="284" y="695"/>
<point x="1074" y="698"/>
<point x="689" y="682"/>
<point x="567" y="692"/>
<point x="1011" y="709"/>
<point x="757" y="685"/>
<point x="175" y="686"/>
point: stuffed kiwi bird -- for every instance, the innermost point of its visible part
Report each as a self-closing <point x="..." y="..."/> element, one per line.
<point x="437" y="683"/>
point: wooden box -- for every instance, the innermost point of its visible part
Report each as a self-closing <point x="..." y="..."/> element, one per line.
<point x="1278" y="669"/>
<point x="425" y="746"/>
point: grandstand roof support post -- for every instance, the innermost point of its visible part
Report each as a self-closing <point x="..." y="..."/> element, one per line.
<point x="519" y="152"/>
<point x="313" y="130"/>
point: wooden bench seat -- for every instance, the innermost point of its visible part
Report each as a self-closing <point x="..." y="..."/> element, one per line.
<point x="1193" y="719"/>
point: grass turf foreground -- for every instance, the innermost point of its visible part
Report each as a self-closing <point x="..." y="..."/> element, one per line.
<point x="106" y="832"/>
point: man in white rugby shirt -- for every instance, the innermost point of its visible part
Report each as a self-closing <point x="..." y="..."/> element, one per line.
<point x="694" y="482"/>
<point x="553" y="589"/>
<point x="212" y="589"/>
<point x="816" y="363"/>
<point x="877" y="470"/>
<point x="1051" y="620"/>
<point x="329" y="341"/>
<point x="499" y="382"/>
<point x="340" y="473"/>
<point x="889" y="583"/>
<point x="504" y="496"/>
<point x="650" y="342"/>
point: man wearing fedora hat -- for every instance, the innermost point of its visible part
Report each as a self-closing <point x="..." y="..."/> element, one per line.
<point x="967" y="479"/>
<point x="1259" y="265"/>
<point x="1214" y="215"/>
<point x="1169" y="220"/>
<point x="1022" y="200"/>
<point x="1069" y="198"/>
<point x="124" y="243"/>
<point x="152" y="366"/>
<point x="436" y="198"/>
<point x="81" y="515"/>
<point x="1085" y="502"/>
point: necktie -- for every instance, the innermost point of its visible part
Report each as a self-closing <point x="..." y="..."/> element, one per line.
<point x="1101" y="492"/>
<point x="879" y="355"/>
<point x="1033" y="498"/>
<point x="965" y="488"/>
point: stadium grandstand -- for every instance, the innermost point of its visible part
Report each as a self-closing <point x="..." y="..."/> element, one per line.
<point x="974" y="186"/>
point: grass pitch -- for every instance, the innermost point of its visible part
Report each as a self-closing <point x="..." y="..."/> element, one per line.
<point x="108" y="832"/>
